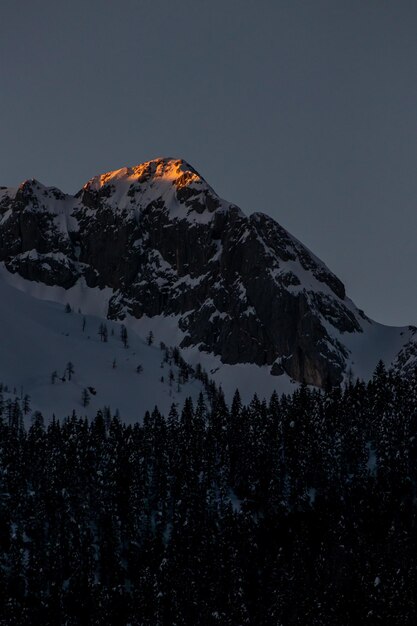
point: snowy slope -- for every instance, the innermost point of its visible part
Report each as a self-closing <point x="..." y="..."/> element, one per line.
<point x="38" y="337"/>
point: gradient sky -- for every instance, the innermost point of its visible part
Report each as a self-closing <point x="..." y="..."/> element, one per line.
<point x="306" y="111"/>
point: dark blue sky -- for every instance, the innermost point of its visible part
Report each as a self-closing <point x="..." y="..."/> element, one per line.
<point x="304" y="110"/>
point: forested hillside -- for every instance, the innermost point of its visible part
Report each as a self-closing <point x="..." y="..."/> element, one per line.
<point x="299" y="511"/>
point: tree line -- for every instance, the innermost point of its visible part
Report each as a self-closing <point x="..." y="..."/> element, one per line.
<point x="297" y="510"/>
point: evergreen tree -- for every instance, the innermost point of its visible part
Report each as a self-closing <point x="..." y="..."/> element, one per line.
<point x="70" y="370"/>
<point x="85" y="397"/>
<point x="124" y="336"/>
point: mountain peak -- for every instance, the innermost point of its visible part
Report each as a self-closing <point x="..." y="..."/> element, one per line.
<point x="169" y="248"/>
<point x="30" y="184"/>
<point x="172" y="184"/>
<point x="155" y="171"/>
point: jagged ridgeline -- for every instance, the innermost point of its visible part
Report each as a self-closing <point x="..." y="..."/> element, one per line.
<point x="296" y="511"/>
<point x="166" y="246"/>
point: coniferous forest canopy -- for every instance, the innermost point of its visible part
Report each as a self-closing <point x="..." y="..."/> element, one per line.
<point x="300" y="510"/>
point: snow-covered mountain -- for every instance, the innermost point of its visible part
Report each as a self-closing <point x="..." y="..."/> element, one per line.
<point x="154" y="247"/>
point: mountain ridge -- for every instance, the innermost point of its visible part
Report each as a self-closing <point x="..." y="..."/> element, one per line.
<point x="166" y="245"/>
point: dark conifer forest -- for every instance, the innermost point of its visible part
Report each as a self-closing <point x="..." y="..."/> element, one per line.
<point x="297" y="511"/>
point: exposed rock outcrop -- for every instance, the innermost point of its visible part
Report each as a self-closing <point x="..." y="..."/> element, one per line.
<point x="158" y="235"/>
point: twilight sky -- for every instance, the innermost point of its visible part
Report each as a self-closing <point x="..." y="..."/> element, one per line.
<point x="306" y="111"/>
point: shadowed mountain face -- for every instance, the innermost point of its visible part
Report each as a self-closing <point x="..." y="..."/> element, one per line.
<point x="164" y="242"/>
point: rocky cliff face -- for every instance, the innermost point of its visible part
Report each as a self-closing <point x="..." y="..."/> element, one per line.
<point x="164" y="242"/>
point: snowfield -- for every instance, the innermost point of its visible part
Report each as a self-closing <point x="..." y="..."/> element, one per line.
<point x="38" y="337"/>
